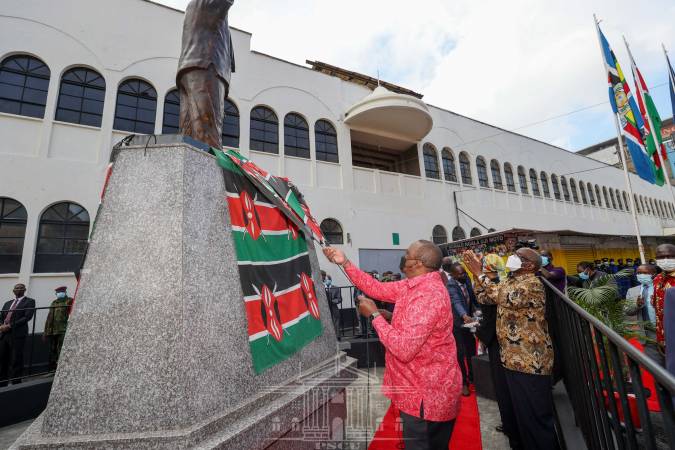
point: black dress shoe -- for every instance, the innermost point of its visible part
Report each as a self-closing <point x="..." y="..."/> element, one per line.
<point x="499" y="428"/>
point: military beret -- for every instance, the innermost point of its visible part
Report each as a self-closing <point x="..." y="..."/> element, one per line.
<point x="61" y="289"/>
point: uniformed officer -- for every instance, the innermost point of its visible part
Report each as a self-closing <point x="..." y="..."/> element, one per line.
<point x="55" y="327"/>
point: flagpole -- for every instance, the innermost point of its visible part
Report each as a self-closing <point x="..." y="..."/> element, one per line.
<point x="631" y="197"/>
<point x="652" y="129"/>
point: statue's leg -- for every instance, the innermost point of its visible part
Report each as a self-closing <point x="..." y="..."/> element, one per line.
<point x="202" y="96"/>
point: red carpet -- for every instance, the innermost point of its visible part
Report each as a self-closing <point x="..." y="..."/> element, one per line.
<point x="648" y="382"/>
<point x="466" y="435"/>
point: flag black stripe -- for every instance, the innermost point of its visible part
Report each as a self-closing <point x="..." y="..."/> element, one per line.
<point x="284" y="275"/>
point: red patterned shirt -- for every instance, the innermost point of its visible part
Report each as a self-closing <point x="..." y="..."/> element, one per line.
<point x="421" y="357"/>
<point x="662" y="282"/>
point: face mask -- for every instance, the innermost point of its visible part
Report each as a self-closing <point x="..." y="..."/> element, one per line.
<point x="60" y="295"/>
<point x="644" y="278"/>
<point x="545" y="261"/>
<point x="514" y="263"/>
<point x="583" y="275"/>
<point x="666" y="264"/>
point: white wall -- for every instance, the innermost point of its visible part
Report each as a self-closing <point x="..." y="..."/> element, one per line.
<point x="43" y="162"/>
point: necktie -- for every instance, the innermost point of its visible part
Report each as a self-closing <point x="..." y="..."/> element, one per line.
<point x="8" y="317"/>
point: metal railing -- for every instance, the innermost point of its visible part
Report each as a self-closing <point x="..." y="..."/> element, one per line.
<point x="35" y="350"/>
<point x="605" y="376"/>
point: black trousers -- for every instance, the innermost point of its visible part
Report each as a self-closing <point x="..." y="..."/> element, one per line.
<point x="11" y="357"/>
<point x="532" y="402"/>
<point x="466" y="349"/>
<point x="506" y="413"/>
<point x="420" y="434"/>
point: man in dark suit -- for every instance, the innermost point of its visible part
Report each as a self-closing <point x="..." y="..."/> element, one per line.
<point x="464" y="305"/>
<point x="14" y="319"/>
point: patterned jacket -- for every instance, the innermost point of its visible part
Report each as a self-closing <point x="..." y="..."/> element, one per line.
<point x="421" y="356"/>
<point x="57" y="319"/>
<point x="522" y="329"/>
<point x="662" y="282"/>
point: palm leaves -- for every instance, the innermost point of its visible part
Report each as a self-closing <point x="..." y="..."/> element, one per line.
<point x="601" y="299"/>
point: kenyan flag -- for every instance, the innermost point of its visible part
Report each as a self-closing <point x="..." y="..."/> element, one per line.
<point x="276" y="276"/>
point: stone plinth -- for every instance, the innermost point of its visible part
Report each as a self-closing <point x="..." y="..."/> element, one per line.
<point x="157" y="353"/>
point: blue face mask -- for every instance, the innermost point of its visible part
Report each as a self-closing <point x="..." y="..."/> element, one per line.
<point x="545" y="261"/>
<point x="584" y="276"/>
<point x="60" y="295"/>
<point x="644" y="279"/>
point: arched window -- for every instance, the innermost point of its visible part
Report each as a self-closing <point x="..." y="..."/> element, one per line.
<point x="582" y="191"/>
<point x="573" y="188"/>
<point x="608" y="204"/>
<point x="458" y="234"/>
<point x="332" y="230"/>
<point x="230" y="134"/>
<point x="534" y="181"/>
<point x="12" y="232"/>
<point x="618" y="199"/>
<point x="430" y="161"/>
<point x="171" y="116"/>
<point x="136" y="107"/>
<point x="544" y="184"/>
<point x="591" y="194"/>
<point x="439" y="235"/>
<point x="296" y="136"/>
<point x="264" y="130"/>
<point x="522" y="180"/>
<point x="481" y="168"/>
<point x="465" y="168"/>
<point x="24" y="81"/>
<point x="81" y="97"/>
<point x="597" y="195"/>
<point x="496" y="175"/>
<point x="62" y="239"/>
<point x="475" y="232"/>
<point x="449" y="169"/>
<point x="508" y="174"/>
<point x="565" y="189"/>
<point x="326" y="141"/>
<point x="626" y="202"/>
<point x="556" y="187"/>
<point x="612" y="198"/>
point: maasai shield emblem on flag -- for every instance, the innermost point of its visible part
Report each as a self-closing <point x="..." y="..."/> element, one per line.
<point x="624" y="106"/>
<point x="276" y="275"/>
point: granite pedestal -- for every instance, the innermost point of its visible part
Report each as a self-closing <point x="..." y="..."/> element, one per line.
<point x="156" y="353"/>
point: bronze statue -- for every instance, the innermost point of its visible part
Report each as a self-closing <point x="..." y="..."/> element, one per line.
<point x="204" y="68"/>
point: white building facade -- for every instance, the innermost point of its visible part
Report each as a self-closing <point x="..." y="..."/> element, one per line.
<point x="78" y="77"/>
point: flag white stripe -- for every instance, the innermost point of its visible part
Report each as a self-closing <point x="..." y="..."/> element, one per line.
<point x="290" y="323"/>
<point x="264" y="263"/>
<point x="265" y="232"/>
<point x="250" y="298"/>
<point x="257" y="202"/>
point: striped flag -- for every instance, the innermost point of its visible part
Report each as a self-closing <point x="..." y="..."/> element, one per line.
<point x="281" y="304"/>
<point x="653" y="141"/>
<point x="671" y="77"/>
<point x="623" y="104"/>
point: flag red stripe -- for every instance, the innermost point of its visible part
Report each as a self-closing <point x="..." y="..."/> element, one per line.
<point x="291" y="305"/>
<point x="271" y="218"/>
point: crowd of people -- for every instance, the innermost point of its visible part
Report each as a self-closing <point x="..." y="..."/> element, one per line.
<point x="445" y="308"/>
<point x="15" y="317"/>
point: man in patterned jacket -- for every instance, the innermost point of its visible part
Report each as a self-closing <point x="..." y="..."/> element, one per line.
<point x="421" y="376"/>
<point x="525" y="343"/>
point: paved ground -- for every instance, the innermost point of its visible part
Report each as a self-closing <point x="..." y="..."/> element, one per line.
<point x="489" y="419"/>
<point x="9" y="434"/>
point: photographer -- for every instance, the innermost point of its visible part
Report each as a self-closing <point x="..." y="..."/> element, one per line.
<point x="525" y="343"/>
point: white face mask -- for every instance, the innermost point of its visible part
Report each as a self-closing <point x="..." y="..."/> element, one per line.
<point x="514" y="263"/>
<point x="666" y="264"/>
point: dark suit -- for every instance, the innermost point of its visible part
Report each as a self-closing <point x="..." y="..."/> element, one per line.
<point x="12" y="342"/>
<point x="466" y="343"/>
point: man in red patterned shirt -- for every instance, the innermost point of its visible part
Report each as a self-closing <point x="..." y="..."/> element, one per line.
<point x="665" y="259"/>
<point x="422" y="376"/>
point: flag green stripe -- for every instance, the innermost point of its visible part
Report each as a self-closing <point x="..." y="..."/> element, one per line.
<point x="271" y="248"/>
<point x="266" y="351"/>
